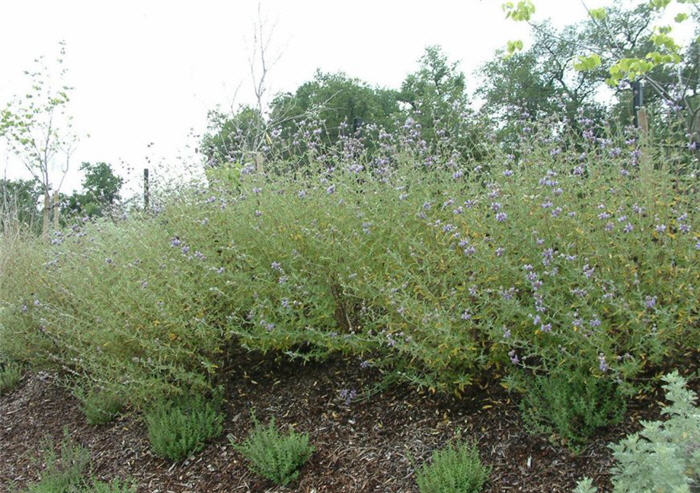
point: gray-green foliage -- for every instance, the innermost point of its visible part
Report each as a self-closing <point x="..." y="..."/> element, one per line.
<point x="177" y="430"/>
<point x="10" y="376"/>
<point x="572" y="404"/>
<point x="663" y="456"/>
<point x="275" y="456"/>
<point x="454" y="469"/>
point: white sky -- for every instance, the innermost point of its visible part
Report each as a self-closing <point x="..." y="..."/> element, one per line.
<point x="149" y="70"/>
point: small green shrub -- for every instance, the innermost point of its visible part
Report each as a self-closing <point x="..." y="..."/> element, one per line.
<point x="63" y="473"/>
<point x="177" y="430"/>
<point x="10" y="376"/>
<point x="274" y="456"/>
<point x="66" y="472"/>
<point x="114" y="486"/>
<point x="572" y="404"/>
<point x="99" y="405"/>
<point x="454" y="469"/>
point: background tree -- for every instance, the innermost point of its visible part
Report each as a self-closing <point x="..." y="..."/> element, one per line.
<point x="437" y="99"/>
<point x="18" y="203"/>
<point x="38" y="130"/>
<point x="334" y="99"/>
<point x="100" y="191"/>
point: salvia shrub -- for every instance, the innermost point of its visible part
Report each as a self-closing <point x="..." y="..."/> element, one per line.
<point x="176" y="430"/>
<point x="100" y="405"/>
<point x="665" y="455"/>
<point x="573" y="253"/>
<point x="10" y="376"/>
<point x="571" y="404"/>
<point x="455" y="469"/>
<point x="272" y="455"/>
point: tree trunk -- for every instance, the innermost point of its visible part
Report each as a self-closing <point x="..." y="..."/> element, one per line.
<point x="45" y="215"/>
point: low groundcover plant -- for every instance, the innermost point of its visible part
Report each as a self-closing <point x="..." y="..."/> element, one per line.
<point x="273" y="455"/>
<point x="455" y="469"/>
<point x="177" y="430"/>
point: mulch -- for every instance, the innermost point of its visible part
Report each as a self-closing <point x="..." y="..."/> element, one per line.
<point x="372" y="444"/>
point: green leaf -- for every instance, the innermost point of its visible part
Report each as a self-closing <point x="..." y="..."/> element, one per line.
<point x="598" y="14"/>
<point x="680" y="17"/>
<point x="586" y="63"/>
<point x="522" y="11"/>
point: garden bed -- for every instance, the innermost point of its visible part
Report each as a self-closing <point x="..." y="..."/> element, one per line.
<point x="372" y="443"/>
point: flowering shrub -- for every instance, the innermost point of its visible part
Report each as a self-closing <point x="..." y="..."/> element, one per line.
<point x="576" y="254"/>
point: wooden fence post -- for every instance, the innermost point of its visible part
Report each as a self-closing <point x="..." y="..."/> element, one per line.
<point x="146" y="192"/>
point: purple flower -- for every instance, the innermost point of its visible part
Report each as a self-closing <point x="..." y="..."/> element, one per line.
<point x="684" y="228"/>
<point x="496" y="206"/>
<point x="595" y="322"/>
<point x="175" y="242"/>
<point x="546" y="328"/>
<point x="501" y="217"/>
<point x="330" y="189"/>
<point x="547" y="205"/>
<point x="601" y="362"/>
<point x="506" y="333"/>
<point x="513" y="357"/>
<point x="508" y="172"/>
<point x="258" y="213"/>
<point x="628" y="228"/>
<point x="199" y="255"/>
<point x="466" y="315"/>
<point x="500" y="251"/>
<point x="588" y="271"/>
<point x="185" y="250"/>
<point x="276" y="266"/>
<point x="650" y="301"/>
<point x="660" y="228"/>
<point x="348" y="395"/>
<point x="469" y="250"/>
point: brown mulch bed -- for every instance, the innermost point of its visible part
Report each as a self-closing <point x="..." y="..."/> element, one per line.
<point x="370" y="444"/>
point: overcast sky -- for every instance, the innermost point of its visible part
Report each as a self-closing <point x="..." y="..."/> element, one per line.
<point x="149" y="70"/>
